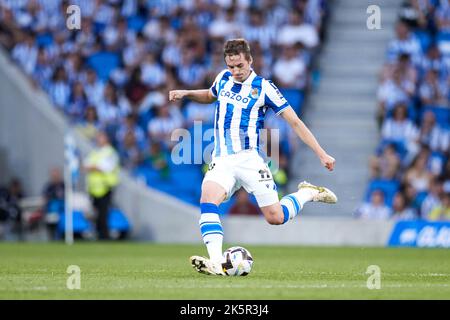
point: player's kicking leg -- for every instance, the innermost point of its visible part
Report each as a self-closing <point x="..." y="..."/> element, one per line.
<point x="318" y="194"/>
<point x="291" y="204"/>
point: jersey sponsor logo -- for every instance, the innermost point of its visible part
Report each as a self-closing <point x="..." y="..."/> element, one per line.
<point x="234" y="96"/>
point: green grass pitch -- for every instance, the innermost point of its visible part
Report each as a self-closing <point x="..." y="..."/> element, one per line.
<point x="128" y="270"/>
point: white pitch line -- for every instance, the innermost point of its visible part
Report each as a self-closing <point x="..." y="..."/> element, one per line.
<point x="305" y="286"/>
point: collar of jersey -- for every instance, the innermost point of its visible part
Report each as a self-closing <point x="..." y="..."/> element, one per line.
<point x="249" y="80"/>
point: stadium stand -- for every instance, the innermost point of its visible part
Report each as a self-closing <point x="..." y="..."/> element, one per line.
<point x="114" y="73"/>
<point x="413" y="153"/>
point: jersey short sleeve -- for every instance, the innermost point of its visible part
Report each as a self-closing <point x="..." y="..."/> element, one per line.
<point x="273" y="98"/>
<point x="215" y="86"/>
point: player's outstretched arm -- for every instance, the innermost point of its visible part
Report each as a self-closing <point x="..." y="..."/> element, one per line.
<point x="201" y="96"/>
<point x="307" y="137"/>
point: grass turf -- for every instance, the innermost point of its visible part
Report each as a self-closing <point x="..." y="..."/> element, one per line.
<point x="154" y="271"/>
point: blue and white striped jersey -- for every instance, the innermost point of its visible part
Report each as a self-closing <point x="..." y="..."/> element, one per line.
<point x="240" y="111"/>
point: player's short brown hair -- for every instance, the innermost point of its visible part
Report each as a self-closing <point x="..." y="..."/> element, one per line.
<point x="235" y="47"/>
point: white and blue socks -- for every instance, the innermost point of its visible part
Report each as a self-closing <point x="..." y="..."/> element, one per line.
<point x="211" y="230"/>
<point x="294" y="202"/>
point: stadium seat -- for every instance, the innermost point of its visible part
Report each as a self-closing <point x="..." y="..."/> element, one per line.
<point x="136" y="23"/>
<point x="44" y="39"/>
<point x="80" y="223"/>
<point x="117" y="222"/>
<point x="147" y="174"/>
<point x="99" y="27"/>
<point x="56" y="206"/>
<point x="424" y="38"/>
<point x="103" y="63"/>
<point x="442" y="114"/>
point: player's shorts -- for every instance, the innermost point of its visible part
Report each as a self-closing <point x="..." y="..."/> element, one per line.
<point x="245" y="169"/>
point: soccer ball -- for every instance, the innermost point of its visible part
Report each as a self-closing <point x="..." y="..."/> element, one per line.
<point x="238" y="261"/>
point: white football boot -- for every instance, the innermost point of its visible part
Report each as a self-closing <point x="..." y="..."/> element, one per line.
<point x="319" y="194"/>
<point x="206" y="266"/>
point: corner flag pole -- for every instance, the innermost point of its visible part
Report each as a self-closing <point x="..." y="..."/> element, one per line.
<point x="71" y="168"/>
<point x="68" y="206"/>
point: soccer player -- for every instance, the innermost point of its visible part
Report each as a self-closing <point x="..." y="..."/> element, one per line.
<point x="242" y="99"/>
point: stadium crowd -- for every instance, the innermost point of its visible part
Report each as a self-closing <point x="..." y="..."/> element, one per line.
<point x="114" y="73"/>
<point x="410" y="172"/>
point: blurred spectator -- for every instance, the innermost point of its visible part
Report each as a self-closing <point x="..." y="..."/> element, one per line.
<point x="129" y="151"/>
<point x="136" y="90"/>
<point x="290" y="60"/>
<point x="90" y="123"/>
<point x="404" y="42"/>
<point x="43" y="70"/>
<point x="153" y="74"/>
<point x="129" y="124"/>
<point x="157" y="159"/>
<point x="93" y="87"/>
<point x="9" y="29"/>
<point x="10" y="210"/>
<point x="243" y="206"/>
<point x="433" y="91"/>
<point x="413" y="198"/>
<point x="375" y="209"/>
<point x="386" y="165"/>
<point x="160" y="128"/>
<point x="102" y="167"/>
<point x="442" y="16"/>
<point x="392" y="93"/>
<point x="257" y="30"/>
<point x="441" y="212"/>
<point x="190" y="72"/>
<point x="112" y="109"/>
<point x="59" y="88"/>
<point x="402" y="68"/>
<point x="134" y="53"/>
<point x="26" y="52"/>
<point x="400" y="129"/>
<point x="433" y="60"/>
<point x="54" y="201"/>
<point x="431" y="134"/>
<point x="225" y="26"/>
<point x="276" y="14"/>
<point x="400" y="210"/>
<point x="77" y="102"/>
<point x="433" y="198"/>
<point x="298" y="31"/>
<point x="118" y="36"/>
<point x="417" y="174"/>
<point x="160" y="30"/>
